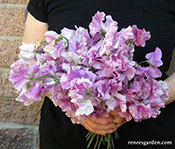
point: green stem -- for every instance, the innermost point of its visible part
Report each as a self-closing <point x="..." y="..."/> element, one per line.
<point x="67" y="42"/>
<point x="61" y="37"/>
<point x="144" y="62"/>
<point x="100" y="142"/>
<point x="45" y="76"/>
<point x="97" y="140"/>
<point x="108" y="141"/>
<point x="116" y="135"/>
<point x="91" y="140"/>
<point x="88" y="136"/>
<point x="112" y="141"/>
<point x="91" y="95"/>
<point x="39" y="44"/>
<point x="148" y="62"/>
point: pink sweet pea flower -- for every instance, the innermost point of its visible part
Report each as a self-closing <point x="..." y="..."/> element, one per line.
<point x="84" y="108"/>
<point x="109" y="23"/>
<point x="57" y="94"/>
<point x="95" y="25"/>
<point x="108" y="43"/>
<point x="126" y="115"/>
<point x="111" y="103"/>
<point x="23" y="98"/>
<point x="19" y="74"/>
<point x="123" y="37"/>
<point x="103" y="89"/>
<point x="51" y="36"/>
<point x="48" y="68"/>
<point x="149" y="72"/>
<point x="155" y="57"/>
<point x="153" y="73"/>
<point x="27" y="52"/>
<point x="54" y="51"/>
<point x="80" y="97"/>
<point x="68" y="33"/>
<point x="140" y="36"/>
<point x="139" y="111"/>
<point x="98" y="26"/>
<point x="35" y="92"/>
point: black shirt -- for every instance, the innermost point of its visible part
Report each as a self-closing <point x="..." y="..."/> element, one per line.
<point x="156" y="16"/>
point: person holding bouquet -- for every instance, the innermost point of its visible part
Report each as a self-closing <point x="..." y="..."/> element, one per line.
<point x="56" y="129"/>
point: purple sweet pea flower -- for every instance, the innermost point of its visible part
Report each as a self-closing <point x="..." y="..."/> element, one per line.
<point x="95" y="60"/>
<point x="141" y="70"/>
<point x="108" y="24"/>
<point x="65" y="104"/>
<point x="68" y="33"/>
<point x="82" y="35"/>
<point x="82" y="84"/>
<point x="124" y="36"/>
<point x="103" y="89"/>
<point x="111" y="103"/>
<point x="105" y="73"/>
<point x="140" y="36"/>
<point x="155" y="58"/>
<point x="55" y="51"/>
<point x="129" y="70"/>
<point x="155" y="95"/>
<point x="115" y="85"/>
<point x="68" y="67"/>
<point x="164" y="86"/>
<point x="126" y="115"/>
<point x="51" y="36"/>
<point x="42" y="58"/>
<point x="57" y="94"/>
<point x="71" y="57"/>
<point x="19" y="74"/>
<point x="114" y="61"/>
<point x="108" y="43"/>
<point x="79" y="96"/>
<point x="27" y="52"/>
<point x="23" y="98"/>
<point x="84" y="108"/>
<point x="66" y="79"/>
<point x="35" y="92"/>
<point x="65" y="82"/>
<point x="139" y="89"/>
<point x="149" y="72"/>
<point x="48" y="68"/>
<point x="95" y="25"/>
<point x="121" y="102"/>
<point x="100" y="111"/>
<point x="153" y="73"/>
<point x="139" y="111"/>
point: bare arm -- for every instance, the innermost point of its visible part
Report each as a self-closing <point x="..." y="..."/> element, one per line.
<point x="171" y="83"/>
<point x="34" y="30"/>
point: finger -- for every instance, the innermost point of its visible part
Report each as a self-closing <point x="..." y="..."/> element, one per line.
<point x="113" y="113"/>
<point x="118" y="120"/>
<point x="121" y="123"/>
<point x="96" y="131"/>
<point x="102" y="120"/>
<point x="97" y="126"/>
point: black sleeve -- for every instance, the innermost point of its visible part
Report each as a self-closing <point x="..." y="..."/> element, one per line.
<point x="38" y="10"/>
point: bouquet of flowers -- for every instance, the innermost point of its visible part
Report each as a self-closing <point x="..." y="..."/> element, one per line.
<point x="89" y="74"/>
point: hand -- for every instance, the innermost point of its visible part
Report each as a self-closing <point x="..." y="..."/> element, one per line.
<point x="117" y="118"/>
<point x="100" y="126"/>
<point x="48" y="94"/>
